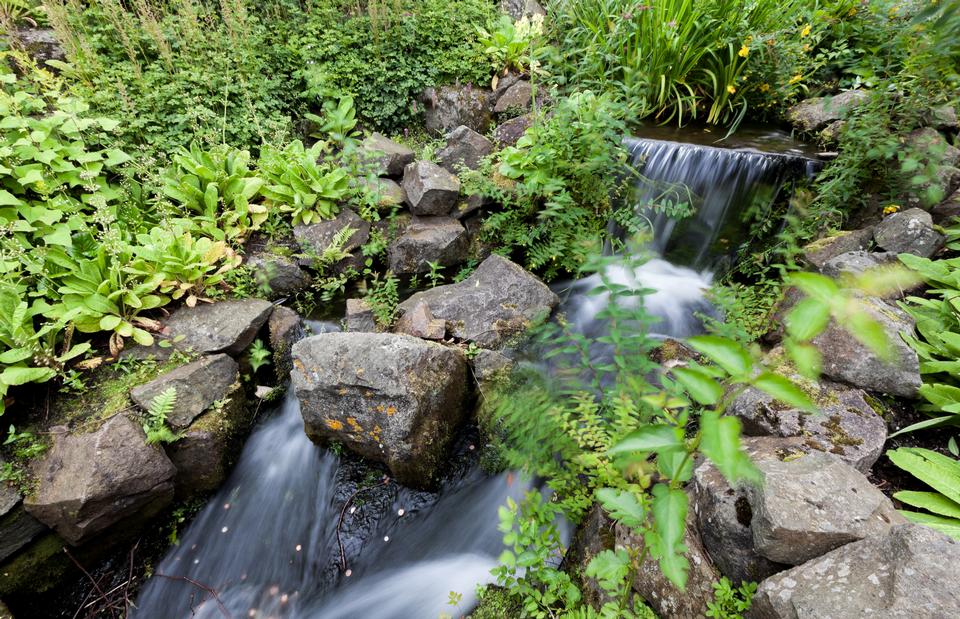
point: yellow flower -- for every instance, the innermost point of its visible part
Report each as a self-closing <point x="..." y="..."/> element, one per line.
<point x="764" y="87"/>
<point x="806" y="31"/>
<point x="731" y="89"/>
<point x="891" y="209"/>
<point x="744" y="51"/>
<point x="796" y="78"/>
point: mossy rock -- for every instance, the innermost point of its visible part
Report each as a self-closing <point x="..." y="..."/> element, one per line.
<point x="38" y="568"/>
<point x="496" y="603"/>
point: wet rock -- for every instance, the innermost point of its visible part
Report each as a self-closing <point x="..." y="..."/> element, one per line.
<point x="594" y="535"/>
<point x="500" y="300"/>
<point x="316" y="238"/>
<point x="854" y="263"/>
<point x="430" y="189"/>
<point x="810" y="505"/>
<point x="449" y="107"/>
<point x="225" y="326"/>
<point x="815" y="114"/>
<point x="360" y="317"/>
<point x="465" y="147"/>
<point x="945" y="212"/>
<point x="845" y="424"/>
<point x="419" y="322"/>
<point x="819" y="252"/>
<point x="910" y="231"/>
<point x="907" y="571"/>
<point x="441" y="240"/>
<point x="88" y="482"/>
<point x="391" y="158"/>
<point x="516" y="98"/>
<point x="390" y="398"/>
<point x="385" y="192"/>
<point x="520" y="8"/>
<point x="285" y="329"/>
<point x="198" y="385"/>
<point x="42" y="44"/>
<point x="508" y="132"/>
<point x="17" y="527"/>
<point x="277" y="276"/>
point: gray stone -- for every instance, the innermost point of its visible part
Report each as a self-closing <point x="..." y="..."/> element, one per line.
<point x="500" y="300"/>
<point x="17" y="527"/>
<point x="831" y="133"/>
<point x="42" y="44"/>
<point x="391" y="158"/>
<point x="317" y="238"/>
<point x="284" y="329"/>
<point x="517" y="98"/>
<point x="419" y="322"/>
<point x="277" y="276"/>
<point x="815" y="114"/>
<point x="520" y="8"/>
<point x="508" y="132"/>
<point x="465" y="148"/>
<point x="385" y="192"/>
<point x="441" y="240"/>
<point x="908" y="572"/>
<point x="430" y="189"/>
<point x="819" y="252"/>
<point x="198" y="384"/>
<point x="469" y="205"/>
<point x="854" y="263"/>
<point x="88" y="482"/>
<point x="225" y="326"/>
<point x="932" y="147"/>
<point x="448" y="107"/>
<point x="392" y="398"/>
<point x="594" y="534"/>
<point x="810" y="505"/>
<point x="947" y="211"/>
<point x="360" y="317"/>
<point x="944" y="118"/>
<point x="490" y="364"/>
<point x="910" y="231"/>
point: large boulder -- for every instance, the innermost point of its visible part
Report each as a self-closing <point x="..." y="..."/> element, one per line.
<point x="384" y="192"/>
<point x="814" y="114"/>
<point x="430" y="189"/>
<point x="314" y="239"/>
<point x="910" y="231"/>
<point x="391" y="398"/>
<point x="819" y="252"/>
<point x="89" y="482"/>
<point x="42" y="44"/>
<point x="510" y="131"/>
<point x="448" y="107"/>
<point x="856" y="263"/>
<point x="390" y="157"/>
<point x="465" y="148"/>
<point x="17" y="527"/>
<point x="811" y="504"/>
<point x="198" y="385"/>
<point x="225" y="326"/>
<point x="500" y="300"/>
<point x="441" y="240"/>
<point x="277" y="276"/>
<point x="517" y="98"/>
<point x="908" y="571"/>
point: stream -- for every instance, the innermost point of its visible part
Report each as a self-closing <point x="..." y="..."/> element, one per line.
<point x="270" y="543"/>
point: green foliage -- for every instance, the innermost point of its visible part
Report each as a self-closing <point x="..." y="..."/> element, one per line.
<point x="338" y="121"/>
<point x="383" y="295"/>
<point x="730" y="602"/>
<point x="513" y="46"/>
<point x="259" y="355"/>
<point x="941" y="473"/>
<point x="295" y="182"/>
<point x="155" y="424"/>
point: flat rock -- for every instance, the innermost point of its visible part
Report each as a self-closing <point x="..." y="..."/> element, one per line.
<point x="441" y="240"/>
<point x="430" y="189"/>
<point x="515" y="98"/>
<point x="500" y="300"/>
<point x="391" y="398"/>
<point x="908" y="571"/>
<point x="17" y="527"/>
<point x="819" y="252"/>
<point x="809" y="505"/>
<point x="89" y="482"/>
<point x="316" y="238"/>
<point x="508" y="132"/>
<point x="419" y="322"/>
<point x="910" y="231"/>
<point x="225" y="326"/>
<point x="390" y="157"/>
<point x="815" y="114"/>
<point x="277" y="276"/>
<point x="198" y="385"/>
<point x="465" y="148"/>
<point x="360" y="317"/>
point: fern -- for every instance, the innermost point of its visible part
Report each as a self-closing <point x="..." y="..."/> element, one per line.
<point x="155" y="426"/>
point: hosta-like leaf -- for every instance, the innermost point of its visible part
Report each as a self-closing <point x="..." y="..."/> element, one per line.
<point x="930" y="501"/>
<point x="940" y="472"/>
<point x="700" y="385"/>
<point x="947" y="526"/>
<point x="720" y="442"/>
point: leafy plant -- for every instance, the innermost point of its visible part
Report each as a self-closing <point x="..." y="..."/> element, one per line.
<point x="155" y="425"/>
<point x="942" y="473"/>
<point x="730" y="602"/>
<point x="338" y="121"/>
<point x="512" y="46"/>
<point x="299" y="185"/>
<point x="383" y="295"/>
<point x="259" y="355"/>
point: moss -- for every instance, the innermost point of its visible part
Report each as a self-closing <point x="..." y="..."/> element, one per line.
<point x="36" y="569"/>
<point x="496" y="603"/>
<point x="839" y="436"/>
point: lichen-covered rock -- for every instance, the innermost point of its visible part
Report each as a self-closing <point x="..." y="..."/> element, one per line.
<point x="277" y="276"/>
<point x="430" y="189"/>
<point x="225" y="326"/>
<point x="490" y="364"/>
<point x="42" y="44"/>
<point x="419" y="322"/>
<point x="508" y="132"/>
<point x="198" y="385"/>
<point x="441" y="240"/>
<point x="855" y="263"/>
<point x="385" y="192"/>
<point x="908" y="571"/>
<point x="809" y="505"/>
<point x="500" y="300"/>
<point x="360" y="317"/>
<point x="465" y="148"/>
<point x="518" y="9"/>
<point x="910" y="231"/>
<point x="391" y="398"/>
<point x="815" y="114"/>
<point x="316" y="238"/>
<point x="515" y="98"/>
<point x="819" y="252"/>
<point x="17" y="527"/>
<point x="88" y="482"/>
<point x="284" y="329"/>
<point x="390" y="157"/>
<point x="448" y="107"/>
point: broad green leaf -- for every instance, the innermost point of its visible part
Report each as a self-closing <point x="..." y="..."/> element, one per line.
<point x="669" y="463"/>
<point x="622" y="505"/>
<point x="947" y="526"/>
<point x="814" y="285"/>
<point x="22" y="375"/>
<point x="807" y="319"/>
<point x="610" y="568"/>
<point x="729" y="355"/>
<point x="870" y="333"/>
<point x="701" y="387"/>
<point x="650" y="438"/>
<point x="109" y="322"/>
<point x="930" y="501"/>
<point x="669" y="519"/>
<point x="8" y="199"/>
<point x="720" y="442"/>
<point x="936" y="470"/>
<point x="782" y="389"/>
<point x="805" y="357"/>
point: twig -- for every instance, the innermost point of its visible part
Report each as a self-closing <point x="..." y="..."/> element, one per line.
<point x="126" y="589"/>
<point x="343" y="556"/>
<point x="96" y="584"/>
<point x="199" y="585"/>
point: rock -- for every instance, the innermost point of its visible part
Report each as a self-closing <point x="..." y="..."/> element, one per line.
<point x="819" y="252"/>
<point x="285" y="329"/>
<point x="854" y="263"/>
<point x="846" y="359"/>
<point x="360" y="317"/>
<point x="845" y="424"/>
<point x="225" y="326"/>
<point x="385" y="192"/>
<point x="948" y="210"/>
<point x="831" y="133"/>
<point x="430" y="189"/>
<point x="440" y="240"/>
<point x="944" y="118"/>
<point x="391" y="157"/>
<point x="724" y="513"/>
<point x="931" y="147"/>
<point x="517" y="98"/>
<point x="448" y="107"/>
<point x="317" y="238"/>
<point x="815" y="114"/>
<point x="908" y="571"/>
<point x="521" y="8"/>
<point x="810" y="505"/>
<point x="391" y="398"/>
<point x="198" y="384"/>
<point x="88" y="482"/>
<point x="932" y="151"/>
<point x="468" y="206"/>
<point x="594" y="535"/>
<point x="42" y="44"/>
<point x="508" y="132"/>
<point x="490" y="364"/>
<point x="277" y="276"/>
<point x="419" y="322"/>
<point x="17" y="527"/>
<point x="500" y="300"/>
<point x="910" y="231"/>
<point x="465" y="147"/>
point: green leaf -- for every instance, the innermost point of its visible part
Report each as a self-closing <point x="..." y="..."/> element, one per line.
<point x="936" y="470"/>
<point x="701" y="386"/>
<point x="650" y="438"/>
<point x="610" y="568"/>
<point x="805" y="357"/>
<point x="622" y="505"/>
<point x="930" y="501"/>
<point x="947" y="526"/>
<point x="8" y="199"/>
<point x="814" y="285"/>
<point x="729" y="355"/>
<point x="109" y="322"/>
<point x="22" y="375"/>
<point x="782" y="389"/>
<point x="669" y="521"/>
<point x="720" y="442"/>
<point x="807" y="319"/>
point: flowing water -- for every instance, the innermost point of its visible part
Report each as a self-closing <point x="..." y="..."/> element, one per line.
<point x="294" y="534"/>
